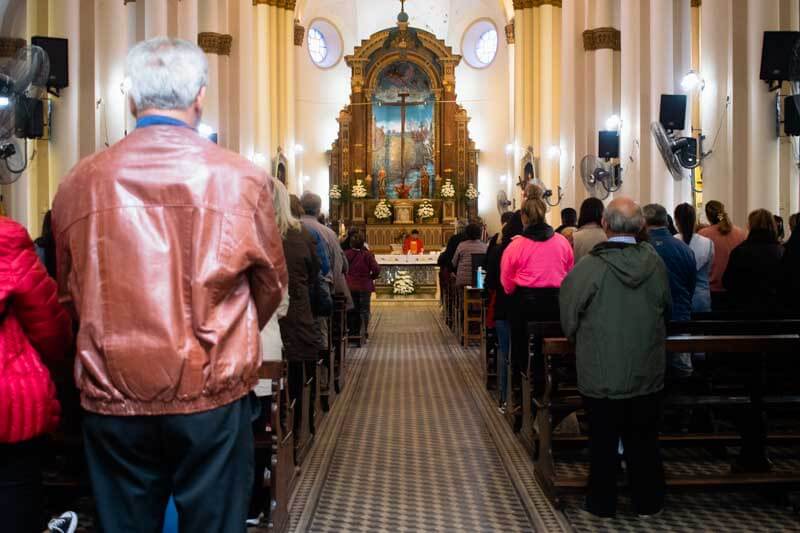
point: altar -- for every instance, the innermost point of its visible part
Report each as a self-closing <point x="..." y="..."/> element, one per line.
<point x="403" y="158"/>
<point x="421" y="269"/>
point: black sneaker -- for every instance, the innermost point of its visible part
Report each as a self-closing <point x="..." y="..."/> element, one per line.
<point x="66" y="523"/>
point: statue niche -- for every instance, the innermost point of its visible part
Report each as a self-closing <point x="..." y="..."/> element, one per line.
<point x="403" y="128"/>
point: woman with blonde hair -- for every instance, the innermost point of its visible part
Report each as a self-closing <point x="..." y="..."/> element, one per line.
<point x="726" y="236"/>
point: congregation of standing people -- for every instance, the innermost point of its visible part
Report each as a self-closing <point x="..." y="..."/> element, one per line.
<point x="615" y="276"/>
<point x="180" y="267"/>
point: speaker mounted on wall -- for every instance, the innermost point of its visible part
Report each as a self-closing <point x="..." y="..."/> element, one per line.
<point x="608" y="144"/>
<point x="57" y="50"/>
<point x="672" y="112"/>
<point x="780" y="56"/>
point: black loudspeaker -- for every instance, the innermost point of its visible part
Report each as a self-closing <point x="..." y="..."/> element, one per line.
<point x="57" y="51"/>
<point x="28" y="118"/>
<point x="791" y="115"/>
<point x="672" y="113"/>
<point x="779" y="56"/>
<point x="608" y="144"/>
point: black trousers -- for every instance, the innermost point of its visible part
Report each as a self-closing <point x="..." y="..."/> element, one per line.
<point x="21" y="504"/>
<point x="205" y="460"/>
<point x="635" y="421"/>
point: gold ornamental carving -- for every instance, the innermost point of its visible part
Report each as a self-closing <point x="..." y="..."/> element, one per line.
<point x="510" y="35"/>
<point x="215" y="43"/>
<point x="10" y="45"/>
<point x="697" y="3"/>
<point x="601" y="38"/>
<point x="299" y="33"/>
<point x="527" y="4"/>
<point x="285" y="4"/>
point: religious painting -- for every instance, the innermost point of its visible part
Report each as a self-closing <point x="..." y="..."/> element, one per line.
<point x="403" y="144"/>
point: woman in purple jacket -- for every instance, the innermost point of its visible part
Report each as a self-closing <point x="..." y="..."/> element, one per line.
<point x="363" y="270"/>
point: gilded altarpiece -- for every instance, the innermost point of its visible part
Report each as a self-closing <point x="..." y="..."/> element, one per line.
<point x="403" y="134"/>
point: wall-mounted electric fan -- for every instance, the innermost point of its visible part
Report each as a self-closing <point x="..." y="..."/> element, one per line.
<point x="23" y="84"/>
<point x="600" y="178"/>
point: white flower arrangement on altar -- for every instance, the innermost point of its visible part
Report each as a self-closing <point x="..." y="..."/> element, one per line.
<point x="471" y="193"/>
<point x="335" y="193"/>
<point x="403" y="284"/>
<point x="425" y="210"/>
<point x="448" y="191"/>
<point x="358" y="190"/>
<point x="383" y="210"/>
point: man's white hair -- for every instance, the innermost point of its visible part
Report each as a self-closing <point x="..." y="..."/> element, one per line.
<point x="166" y="73"/>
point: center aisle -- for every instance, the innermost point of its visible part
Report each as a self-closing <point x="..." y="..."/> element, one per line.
<point x="413" y="452"/>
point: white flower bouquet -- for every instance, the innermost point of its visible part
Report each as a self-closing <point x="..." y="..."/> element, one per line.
<point x="471" y="193"/>
<point x="383" y="210"/>
<point x="448" y="191"/>
<point x="335" y="193"/>
<point x="359" y="190"/>
<point x="425" y="210"/>
<point x="403" y="284"/>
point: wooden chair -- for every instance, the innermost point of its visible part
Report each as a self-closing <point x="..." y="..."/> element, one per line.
<point x="340" y="342"/>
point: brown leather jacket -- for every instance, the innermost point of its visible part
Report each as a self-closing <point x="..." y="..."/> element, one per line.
<point x="169" y="255"/>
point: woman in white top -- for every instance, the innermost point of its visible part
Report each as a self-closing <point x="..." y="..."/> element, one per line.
<point x="703" y="248"/>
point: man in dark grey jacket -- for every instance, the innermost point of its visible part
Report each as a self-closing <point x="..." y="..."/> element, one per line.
<point x="614" y="305"/>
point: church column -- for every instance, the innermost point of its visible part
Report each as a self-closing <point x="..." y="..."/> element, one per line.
<point x="762" y="145"/>
<point x="601" y="43"/>
<point x="113" y="41"/>
<point x="549" y="79"/>
<point x="716" y="63"/>
<point x="635" y="129"/>
<point x="275" y="34"/>
<point x="537" y="79"/>
<point x="574" y="119"/>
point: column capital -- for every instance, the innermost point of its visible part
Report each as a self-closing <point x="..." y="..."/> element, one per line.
<point x="525" y="4"/>
<point x="299" y="33"/>
<point x="601" y="38"/>
<point x="286" y="4"/>
<point x="697" y="3"/>
<point x="510" y="33"/>
<point x="10" y="45"/>
<point x="215" y="43"/>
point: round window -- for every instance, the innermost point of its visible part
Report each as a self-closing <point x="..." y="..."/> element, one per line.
<point x="479" y="45"/>
<point x="324" y="43"/>
<point x="317" y="46"/>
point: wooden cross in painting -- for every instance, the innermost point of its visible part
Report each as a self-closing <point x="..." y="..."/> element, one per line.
<point x="402" y="189"/>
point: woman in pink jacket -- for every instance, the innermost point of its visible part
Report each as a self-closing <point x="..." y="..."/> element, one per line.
<point x="531" y="272"/>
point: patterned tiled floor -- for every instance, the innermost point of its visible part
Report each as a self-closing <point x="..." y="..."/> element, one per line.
<point x="413" y="453"/>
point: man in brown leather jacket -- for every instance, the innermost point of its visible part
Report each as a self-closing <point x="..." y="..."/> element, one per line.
<point x="169" y="255"/>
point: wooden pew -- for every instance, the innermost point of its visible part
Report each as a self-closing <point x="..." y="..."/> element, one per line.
<point x="279" y="439"/>
<point x="340" y="342"/>
<point x="557" y="400"/>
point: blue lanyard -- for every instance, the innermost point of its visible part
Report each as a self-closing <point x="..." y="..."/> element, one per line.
<point x="160" y="120"/>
